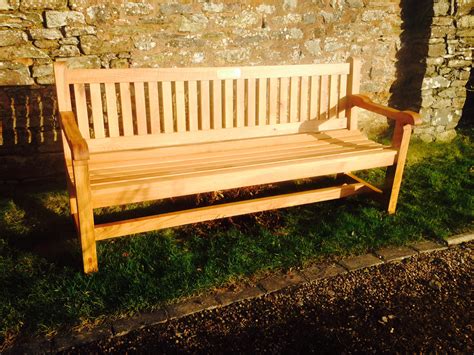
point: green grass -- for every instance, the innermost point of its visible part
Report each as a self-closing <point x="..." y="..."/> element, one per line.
<point x="43" y="288"/>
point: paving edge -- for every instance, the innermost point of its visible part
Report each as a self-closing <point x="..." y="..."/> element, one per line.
<point x="269" y="284"/>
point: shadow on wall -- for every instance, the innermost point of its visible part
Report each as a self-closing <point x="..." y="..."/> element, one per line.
<point x="417" y="17"/>
<point x="467" y="118"/>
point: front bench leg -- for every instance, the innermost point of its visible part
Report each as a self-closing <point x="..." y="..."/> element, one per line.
<point x="393" y="179"/>
<point x="85" y="215"/>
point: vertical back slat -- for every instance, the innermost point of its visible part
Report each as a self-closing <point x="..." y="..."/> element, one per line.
<point x="262" y="101"/>
<point x="217" y="104"/>
<point x="251" y="102"/>
<point x="112" y="115"/>
<point x="154" y="104"/>
<point x="167" y="107"/>
<point x="284" y="102"/>
<point x="323" y="98"/>
<point x="240" y="102"/>
<point x="294" y="98"/>
<point x="126" y="105"/>
<point x="314" y="98"/>
<point x="81" y="109"/>
<point x="333" y="95"/>
<point x="205" y="106"/>
<point x="193" y="106"/>
<point x="97" y="111"/>
<point x="140" y="108"/>
<point x="229" y="103"/>
<point x="273" y="109"/>
<point x="180" y="107"/>
<point x="304" y="98"/>
<point x="342" y="96"/>
<point x="353" y="88"/>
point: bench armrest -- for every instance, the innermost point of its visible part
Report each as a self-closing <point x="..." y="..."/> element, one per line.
<point x="77" y="144"/>
<point x="404" y="117"/>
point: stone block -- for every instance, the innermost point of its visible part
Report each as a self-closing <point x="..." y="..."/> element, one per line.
<point x="137" y="8"/>
<point x="357" y="4"/>
<point x="213" y="7"/>
<point x="119" y="63"/>
<point x="66" y="51"/>
<point x="460" y="238"/>
<point x="63" y="18"/>
<point x="265" y="9"/>
<point x="230" y="296"/>
<point x="450" y="93"/>
<point x="373" y="15"/>
<point x="191" y="306"/>
<point x="43" y="4"/>
<point x="12" y="37"/>
<point x="466" y="21"/>
<point x="6" y="5"/>
<point x="20" y="20"/>
<point x="93" y="45"/>
<point x="442" y="21"/>
<point x="45" y="80"/>
<point x="138" y="321"/>
<point x="446" y="137"/>
<point x="83" y="62"/>
<point x="79" y="30"/>
<point x="15" y="77"/>
<point x="42" y="70"/>
<point x="360" y="262"/>
<point x="103" y="13"/>
<point x="458" y="63"/>
<point x="469" y="32"/>
<point x="435" y="82"/>
<point x="22" y="51"/>
<point x="280" y="280"/>
<point x="168" y="9"/>
<point x="313" y="46"/>
<point x="441" y="8"/>
<point x="441" y="103"/>
<point x="72" y="41"/>
<point x="436" y="50"/>
<point x="193" y="23"/>
<point x="46" y="44"/>
<point x="144" y="42"/>
<point x="317" y="272"/>
<point x="45" y="33"/>
<point x="390" y="254"/>
<point x="290" y="4"/>
<point x="442" y="31"/>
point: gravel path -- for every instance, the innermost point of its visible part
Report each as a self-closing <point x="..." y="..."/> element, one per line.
<point x="419" y="305"/>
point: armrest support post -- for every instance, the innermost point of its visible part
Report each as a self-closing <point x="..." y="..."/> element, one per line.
<point x="75" y="141"/>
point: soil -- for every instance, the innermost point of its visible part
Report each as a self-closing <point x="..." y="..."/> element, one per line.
<point x="419" y="305"/>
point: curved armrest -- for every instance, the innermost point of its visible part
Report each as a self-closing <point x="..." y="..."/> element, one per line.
<point x="404" y="117"/>
<point x="74" y="139"/>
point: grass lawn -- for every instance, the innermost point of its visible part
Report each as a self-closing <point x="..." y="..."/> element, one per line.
<point x="43" y="287"/>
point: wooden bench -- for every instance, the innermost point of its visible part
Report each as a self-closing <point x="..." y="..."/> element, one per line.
<point x="134" y="135"/>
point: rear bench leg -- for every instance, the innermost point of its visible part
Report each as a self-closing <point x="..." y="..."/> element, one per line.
<point x="393" y="179"/>
<point x="85" y="216"/>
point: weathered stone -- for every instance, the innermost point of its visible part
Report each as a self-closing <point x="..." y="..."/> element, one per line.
<point x="435" y="61"/>
<point x="198" y="57"/>
<point x="144" y="42"/>
<point x="22" y="51"/>
<point x="83" y="62"/>
<point x="360" y="261"/>
<point x="450" y="93"/>
<point x="458" y="63"/>
<point x="373" y="15"/>
<point x="119" y="63"/>
<point x="43" y="4"/>
<point x="355" y="3"/>
<point x="309" y="19"/>
<point x="15" y="77"/>
<point x="245" y="19"/>
<point x="42" y="70"/>
<point x="313" y="46"/>
<point x="6" y="5"/>
<point x="328" y="17"/>
<point x="45" y="80"/>
<point x="427" y="101"/>
<point x="194" y="23"/>
<point x="437" y="50"/>
<point x="466" y="22"/>
<point x="227" y="297"/>
<point x="66" y="51"/>
<point x="12" y="37"/>
<point x="266" y="9"/>
<point x="137" y="9"/>
<point x="460" y="238"/>
<point x="391" y="254"/>
<point x="332" y="44"/>
<point x="104" y="13"/>
<point x="442" y="31"/>
<point x="317" y="272"/>
<point x="441" y="7"/>
<point x="20" y="20"/>
<point x="290" y="4"/>
<point x="63" y="18"/>
<point x="191" y="306"/>
<point x="72" y="41"/>
<point x="435" y="82"/>
<point x="442" y="21"/>
<point x="46" y="44"/>
<point x="238" y="55"/>
<point x="426" y="137"/>
<point x="93" y="45"/>
<point x="278" y="281"/>
<point x="213" y="7"/>
<point x="441" y="103"/>
<point x="170" y="9"/>
<point x="138" y="321"/>
<point x="447" y="136"/>
<point x="45" y="33"/>
<point x="79" y="30"/>
<point x="463" y="7"/>
<point x="442" y="116"/>
<point x="466" y="33"/>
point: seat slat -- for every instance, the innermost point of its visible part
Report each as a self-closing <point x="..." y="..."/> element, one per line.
<point x="112" y="114"/>
<point x="140" y="108"/>
<point x="81" y="109"/>
<point x="126" y="105"/>
<point x="151" y="189"/>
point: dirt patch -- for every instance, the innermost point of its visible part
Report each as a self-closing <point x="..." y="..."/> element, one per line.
<point x="418" y="305"/>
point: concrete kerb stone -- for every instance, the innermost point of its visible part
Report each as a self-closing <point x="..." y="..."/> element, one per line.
<point x="226" y="297"/>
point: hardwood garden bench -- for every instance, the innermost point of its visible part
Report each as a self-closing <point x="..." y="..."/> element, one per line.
<point x="135" y="135"/>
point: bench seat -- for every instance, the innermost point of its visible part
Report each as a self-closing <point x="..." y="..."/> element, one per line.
<point x="155" y="173"/>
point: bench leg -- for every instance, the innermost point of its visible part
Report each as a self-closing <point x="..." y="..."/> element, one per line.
<point x="393" y="179"/>
<point x="85" y="216"/>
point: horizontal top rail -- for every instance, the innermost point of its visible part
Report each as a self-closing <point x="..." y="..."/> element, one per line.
<point x="91" y="76"/>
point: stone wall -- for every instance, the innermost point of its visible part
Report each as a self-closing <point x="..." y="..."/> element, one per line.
<point x="121" y="33"/>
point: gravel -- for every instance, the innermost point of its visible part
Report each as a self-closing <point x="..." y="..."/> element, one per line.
<point x="422" y="304"/>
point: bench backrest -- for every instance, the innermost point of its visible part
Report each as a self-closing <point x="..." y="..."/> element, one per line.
<point x="133" y="108"/>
